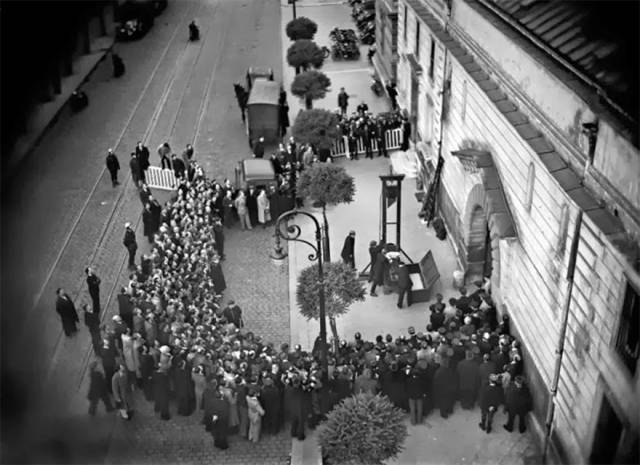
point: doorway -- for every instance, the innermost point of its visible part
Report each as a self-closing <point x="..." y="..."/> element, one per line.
<point x="479" y="261"/>
<point x="613" y="442"/>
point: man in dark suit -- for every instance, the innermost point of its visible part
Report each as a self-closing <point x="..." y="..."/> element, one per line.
<point x="406" y="134"/>
<point x="131" y="244"/>
<point x="519" y="403"/>
<point x="113" y="165"/>
<point x="93" y="282"/>
<point x="178" y="166"/>
<point x="374" y="250"/>
<point x="378" y="269"/>
<point x="381" y="131"/>
<point x="343" y="101"/>
<point x="136" y="172"/>
<point x="125" y="307"/>
<point x="142" y="152"/>
<point x="258" y="149"/>
<point x="491" y="399"/>
<point x="404" y="285"/>
<point x="67" y="312"/>
<point x="348" y="249"/>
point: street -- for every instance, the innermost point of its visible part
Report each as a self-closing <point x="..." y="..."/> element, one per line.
<point x="61" y="213"/>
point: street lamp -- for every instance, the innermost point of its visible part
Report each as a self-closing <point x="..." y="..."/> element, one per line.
<point x="293" y="4"/>
<point x="292" y="232"/>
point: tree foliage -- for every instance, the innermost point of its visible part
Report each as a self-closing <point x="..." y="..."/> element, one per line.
<point x="327" y="184"/>
<point x="363" y="429"/>
<point x="304" y="53"/>
<point x="341" y="288"/>
<point x="301" y="28"/>
<point x="310" y="85"/>
<point x="316" y="127"/>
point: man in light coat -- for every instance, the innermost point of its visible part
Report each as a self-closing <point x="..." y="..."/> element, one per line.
<point x="122" y="392"/>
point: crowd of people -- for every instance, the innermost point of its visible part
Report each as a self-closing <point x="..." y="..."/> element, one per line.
<point x="174" y="340"/>
<point x="362" y="124"/>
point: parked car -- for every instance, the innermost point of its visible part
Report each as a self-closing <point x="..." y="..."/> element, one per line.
<point x="135" y="18"/>
<point x="255" y="172"/>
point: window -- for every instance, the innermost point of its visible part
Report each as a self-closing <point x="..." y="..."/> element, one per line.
<point x="562" y="232"/>
<point x="404" y="30"/>
<point x="627" y="344"/>
<point x="531" y="180"/>
<point x="463" y="111"/>
<point x="432" y="56"/>
<point x="417" y="47"/>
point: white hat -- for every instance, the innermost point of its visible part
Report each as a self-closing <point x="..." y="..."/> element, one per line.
<point x="117" y="318"/>
<point x="127" y="225"/>
<point x="165" y="350"/>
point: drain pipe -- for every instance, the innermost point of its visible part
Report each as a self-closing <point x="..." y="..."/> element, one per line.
<point x="571" y="268"/>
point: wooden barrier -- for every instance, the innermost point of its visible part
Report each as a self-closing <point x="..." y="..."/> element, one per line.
<point x="160" y="178"/>
<point x="341" y="146"/>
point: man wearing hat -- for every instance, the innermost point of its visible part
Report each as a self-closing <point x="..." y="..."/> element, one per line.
<point x="113" y="165"/>
<point x="469" y="380"/>
<point x="489" y="403"/>
<point x="404" y="285"/>
<point x="445" y="386"/>
<point x="348" y="249"/>
<point x="130" y="243"/>
<point x="518" y="402"/>
<point x="416" y="390"/>
<point x="270" y="399"/>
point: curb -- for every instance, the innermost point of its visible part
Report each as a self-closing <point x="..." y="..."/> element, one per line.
<point x="19" y="155"/>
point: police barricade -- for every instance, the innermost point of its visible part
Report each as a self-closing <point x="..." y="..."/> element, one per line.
<point x="160" y="178"/>
<point x="393" y="138"/>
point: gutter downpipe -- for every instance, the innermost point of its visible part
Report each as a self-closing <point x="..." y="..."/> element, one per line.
<point x="602" y="93"/>
<point x="571" y="268"/>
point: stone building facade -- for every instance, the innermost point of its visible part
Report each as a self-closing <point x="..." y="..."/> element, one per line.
<point x="541" y="183"/>
<point x="386" y="57"/>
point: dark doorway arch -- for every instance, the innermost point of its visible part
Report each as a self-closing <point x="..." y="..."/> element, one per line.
<point x="482" y="257"/>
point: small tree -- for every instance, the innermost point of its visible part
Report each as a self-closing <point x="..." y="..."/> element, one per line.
<point x="363" y="429"/>
<point x="326" y="184"/>
<point x="301" y="28"/>
<point x="316" y="127"/>
<point x="304" y="53"/>
<point x="310" y="85"/>
<point x="341" y="288"/>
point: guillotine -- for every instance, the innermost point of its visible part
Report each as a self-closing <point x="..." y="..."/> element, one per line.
<point x="391" y="194"/>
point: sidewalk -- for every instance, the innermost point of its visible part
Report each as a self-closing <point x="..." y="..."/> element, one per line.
<point x="455" y="440"/>
<point x="45" y="115"/>
<point x="354" y="76"/>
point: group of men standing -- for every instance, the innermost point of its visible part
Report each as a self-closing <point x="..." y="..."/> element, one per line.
<point x="361" y="124"/>
<point x="139" y="162"/>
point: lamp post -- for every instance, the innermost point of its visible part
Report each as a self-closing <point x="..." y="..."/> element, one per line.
<point x="292" y="232"/>
<point x="293" y="4"/>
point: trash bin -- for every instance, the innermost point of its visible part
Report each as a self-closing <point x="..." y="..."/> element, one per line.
<point x="458" y="279"/>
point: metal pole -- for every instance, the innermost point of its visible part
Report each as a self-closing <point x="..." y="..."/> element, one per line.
<point x="323" y="323"/>
<point x="326" y="242"/>
<point x="293" y="2"/>
<point x="398" y="213"/>
<point x="571" y="268"/>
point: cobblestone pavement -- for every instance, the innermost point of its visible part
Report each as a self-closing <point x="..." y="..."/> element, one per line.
<point x="260" y="288"/>
<point x="173" y="90"/>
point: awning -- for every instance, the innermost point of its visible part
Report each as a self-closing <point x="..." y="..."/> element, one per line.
<point x="496" y="208"/>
